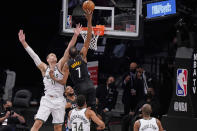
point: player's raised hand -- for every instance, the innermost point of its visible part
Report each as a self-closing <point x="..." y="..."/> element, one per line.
<point x="88" y="14"/>
<point x="78" y="29"/>
<point x="21" y="36"/>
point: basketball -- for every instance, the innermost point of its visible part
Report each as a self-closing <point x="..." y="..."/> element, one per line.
<point x="88" y="5"/>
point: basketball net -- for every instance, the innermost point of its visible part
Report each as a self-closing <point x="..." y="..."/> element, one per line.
<point x="97" y="31"/>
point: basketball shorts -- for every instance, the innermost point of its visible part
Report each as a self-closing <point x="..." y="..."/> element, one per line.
<point x="54" y="106"/>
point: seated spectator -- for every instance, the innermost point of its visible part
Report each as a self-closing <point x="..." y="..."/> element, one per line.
<point x="9" y="118"/>
<point x="151" y="99"/>
<point x="107" y="97"/>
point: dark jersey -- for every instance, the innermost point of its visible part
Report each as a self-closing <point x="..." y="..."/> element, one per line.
<point x="78" y="70"/>
<point x="73" y="103"/>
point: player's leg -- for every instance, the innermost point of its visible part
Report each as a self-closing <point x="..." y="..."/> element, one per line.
<point x="91" y="96"/>
<point x="37" y="125"/>
<point x="87" y="89"/>
<point x="41" y="116"/>
<point x="57" y="127"/>
<point x="58" y="117"/>
<point x="91" y="100"/>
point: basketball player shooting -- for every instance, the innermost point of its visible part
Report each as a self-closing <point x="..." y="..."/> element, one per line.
<point x="77" y="65"/>
<point x="53" y="101"/>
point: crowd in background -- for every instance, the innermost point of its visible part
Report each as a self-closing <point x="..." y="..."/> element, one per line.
<point x="138" y="88"/>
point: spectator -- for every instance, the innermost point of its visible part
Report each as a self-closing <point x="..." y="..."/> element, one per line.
<point x="141" y="90"/>
<point x="107" y="96"/>
<point x="129" y="93"/>
<point x="151" y="99"/>
<point x="9" y="118"/>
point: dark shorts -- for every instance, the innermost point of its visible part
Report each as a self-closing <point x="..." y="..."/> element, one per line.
<point x="87" y="89"/>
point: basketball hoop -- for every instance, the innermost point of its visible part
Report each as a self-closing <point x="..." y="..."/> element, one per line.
<point x="96" y="32"/>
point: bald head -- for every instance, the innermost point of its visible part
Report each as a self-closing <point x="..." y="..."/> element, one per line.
<point x="146" y="109"/>
<point x="133" y="67"/>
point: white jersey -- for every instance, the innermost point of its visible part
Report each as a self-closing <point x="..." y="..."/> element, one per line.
<point x="148" y="125"/>
<point x="78" y="120"/>
<point x="52" y="87"/>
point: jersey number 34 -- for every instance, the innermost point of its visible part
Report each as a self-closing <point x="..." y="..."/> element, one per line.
<point x="77" y="126"/>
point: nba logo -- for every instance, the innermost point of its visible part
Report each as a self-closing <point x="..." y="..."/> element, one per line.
<point x="69" y="21"/>
<point x="181" y="83"/>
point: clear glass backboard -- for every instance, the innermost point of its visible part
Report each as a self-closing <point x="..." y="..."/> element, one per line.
<point x="121" y="18"/>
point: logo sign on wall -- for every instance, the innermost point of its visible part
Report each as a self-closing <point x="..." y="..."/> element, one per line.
<point x="93" y="70"/>
<point x="181" y="82"/>
<point x="194" y="74"/>
<point x="162" y="8"/>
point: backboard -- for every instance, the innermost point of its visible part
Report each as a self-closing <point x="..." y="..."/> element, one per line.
<point x="121" y="17"/>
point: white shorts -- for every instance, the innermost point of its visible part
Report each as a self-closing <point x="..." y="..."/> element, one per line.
<point x="54" y="106"/>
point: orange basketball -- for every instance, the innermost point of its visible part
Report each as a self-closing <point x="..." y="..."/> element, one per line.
<point x="88" y="4"/>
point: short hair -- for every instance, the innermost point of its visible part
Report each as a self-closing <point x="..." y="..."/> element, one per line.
<point x="73" y="52"/>
<point x="146" y="109"/>
<point x="81" y="100"/>
<point x="49" y="54"/>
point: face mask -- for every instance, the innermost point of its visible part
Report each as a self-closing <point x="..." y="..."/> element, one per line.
<point x="149" y="95"/>
<point x="111" y="85"/>
<point x="133" y="70"/>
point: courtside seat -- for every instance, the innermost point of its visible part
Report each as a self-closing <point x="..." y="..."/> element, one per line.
<point x="22" y="98"/>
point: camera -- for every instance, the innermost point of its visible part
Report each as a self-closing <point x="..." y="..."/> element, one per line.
<point x="10" y="110"/>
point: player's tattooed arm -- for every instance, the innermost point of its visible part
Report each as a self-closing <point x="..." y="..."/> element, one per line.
<point x="86" y="45"/>
<point x="72" y="42"/>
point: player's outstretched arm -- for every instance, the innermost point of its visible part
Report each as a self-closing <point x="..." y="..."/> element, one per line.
<point x="99" y="122"/>
<point x="42" y="66"/>
<point x="86" y="45"/>
<point x="72" y="42"/>
<point x="65" y="72"/>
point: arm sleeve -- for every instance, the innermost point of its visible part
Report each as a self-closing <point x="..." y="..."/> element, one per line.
<point x="33" y="55"/>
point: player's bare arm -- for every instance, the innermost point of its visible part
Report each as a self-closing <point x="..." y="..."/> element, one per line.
<point x="65" y="72"/>
<point x="159" y="125"/>
<point x="65" y="57"/>
<point x="92" y="115"/>
<point x="136" y="126"/>
<point x="41" y="65"/>
<point x="69" y="124"/>
<point x="86" y="45"/>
